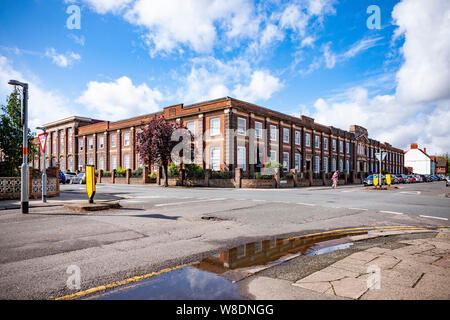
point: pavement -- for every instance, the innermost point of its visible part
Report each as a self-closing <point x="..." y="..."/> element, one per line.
<point x="395" y="269"/>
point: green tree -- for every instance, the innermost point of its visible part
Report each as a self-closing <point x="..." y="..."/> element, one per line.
<point x="11" y="137"/>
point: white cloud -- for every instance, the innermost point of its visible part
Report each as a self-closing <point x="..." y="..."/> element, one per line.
<point x="211" y="78"/>
<point x="419" y="111"/>
<point x="191" y="23"/>
<point x="261" y="87"/>
<point x="425" y="75"/>
<point x="360" y="46"/>
<point x="44" y="105"/>
<point x="120" y="99"/>
<point x="62" y="60"/>
<point x="106" y="6"/>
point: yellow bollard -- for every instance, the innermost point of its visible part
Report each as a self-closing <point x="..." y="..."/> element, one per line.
<point x="388" y="179"/>
<point x="90" y="182"/>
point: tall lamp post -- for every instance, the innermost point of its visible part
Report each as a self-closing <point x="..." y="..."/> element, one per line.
<point x="24" y="197"/>
<point x="44" y="171"/>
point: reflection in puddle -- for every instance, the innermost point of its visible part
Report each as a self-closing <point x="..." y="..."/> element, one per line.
<point x="183" y="284"/>
<point x="214" y="278"/>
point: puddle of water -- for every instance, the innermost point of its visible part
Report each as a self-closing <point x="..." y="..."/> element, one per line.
<point x="187" y="283"/>
<point x="214" y="278"/>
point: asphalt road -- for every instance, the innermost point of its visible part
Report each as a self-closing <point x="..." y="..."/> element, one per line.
<point x="165" y="227"/>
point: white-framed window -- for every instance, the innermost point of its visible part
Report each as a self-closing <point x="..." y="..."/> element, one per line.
<point x="91" y="143"/>
<point x="308" y="140"/>
<point x="214" y="127"/>
<point x="297" y="137"/>
<point x="325" y="164"/>
<point x="258" y="130"/>
<point x="298" y="158"/>
<point x="259" y="155"/>
<point x="341" y="165"/>
<point x="101" y="142"/>
<point x="242" y="158"/>
<point x="242" y="126"/>
<point x="317" y="164"/>
<point x="54" y="142"/>
<point x="347" y="147"/>
<point x="272" y="243"/>
<point x="258" y="246"/>
<point x="70" y="163"/>
<point x="113" y="162"/>
<point x="126" y="139"/>
<point x="240" y="251"/>
<point x="273" y="133"/>
<point x="334" y="145"/>
<point x="325" y="143"/>
<point x="347" y="166"/>
<point x="80" y="144"/>
<point x="273" y="156"/>
<point x="126" y="161"/>
<point x="101" y="163"/>
<point x="190" y="125"/>
<point x="285" y="161"/>
<point x="140" y="163"/>
<point x="90" y="161"/>
<point x="113" y="140"/>
<point x="214" y="158"/>
<point x="285" y="135"/>
<point x="341" y="146"/>
<point x="80" y="163"/>
<point x="333" y="164"/>
<point x="317" y="142"/>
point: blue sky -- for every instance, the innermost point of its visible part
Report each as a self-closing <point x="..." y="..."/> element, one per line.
<point x="314" y="57"/>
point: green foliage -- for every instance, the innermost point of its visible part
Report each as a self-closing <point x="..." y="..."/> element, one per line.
<point x="287" y="175"/>
<point x="259" y="175"/>
<point x="273" y="165"/>
<point x="121" y="172"/>
<point x="152" y="175"/>
<point x="137" y="173"/>
<point x="173" y="171"/>
<point x="11" y="138"/>
<point x="221" y="175"/>
<point x="194" y="171"/>
<point x="106" y="174"/>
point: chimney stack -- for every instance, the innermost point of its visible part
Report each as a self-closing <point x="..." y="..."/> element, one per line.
<point x="425" y="150"/>
<point x="414" y="146"/>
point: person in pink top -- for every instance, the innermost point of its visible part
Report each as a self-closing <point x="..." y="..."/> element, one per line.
<point x="334" y="179"/>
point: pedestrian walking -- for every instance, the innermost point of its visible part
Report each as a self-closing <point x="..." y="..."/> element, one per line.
<point x="334" y="179"/>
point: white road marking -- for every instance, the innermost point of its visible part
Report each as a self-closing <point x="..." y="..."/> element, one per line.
<point x="393" y="212"/>
<point x="431" y="217"/>
<point x="411" y="192"/>
<point x="186" y="202"/>
<point x="306" y="204"/>
<point x="359" y="209"/>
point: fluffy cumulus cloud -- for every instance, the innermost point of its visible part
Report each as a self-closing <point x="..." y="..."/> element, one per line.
<point x="120" y="99"/>
<point x="419" y="111"/>
<point x="44" y="105"/>
<point x="211" y="78"/>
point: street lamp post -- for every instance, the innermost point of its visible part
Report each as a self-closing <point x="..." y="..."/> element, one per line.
<point x="44" y="171"/>
<point x="24" y="197"/>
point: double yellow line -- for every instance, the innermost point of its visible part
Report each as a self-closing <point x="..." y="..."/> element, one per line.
<point x="344" y="231"/>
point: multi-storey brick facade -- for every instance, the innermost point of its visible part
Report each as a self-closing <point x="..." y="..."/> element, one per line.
<point x="229" y="133"/>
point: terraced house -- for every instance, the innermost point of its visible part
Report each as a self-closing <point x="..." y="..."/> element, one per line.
<point x="229" y="134"/>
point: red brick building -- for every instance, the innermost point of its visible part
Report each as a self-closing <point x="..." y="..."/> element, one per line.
<point x="229" y="133"/>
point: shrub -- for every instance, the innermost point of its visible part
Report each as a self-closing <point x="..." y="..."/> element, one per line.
<point x="287" y="175"/>
<point x="221" y="175"/>
<point x="121" y="172"/>
<point x="173" y="171"/>
<point x="152" y="175"/>
<point x="194" y="171"/>
<point x="137" y="173"/>
<point x="107" y="174"/>
<point x="259" y="175"/>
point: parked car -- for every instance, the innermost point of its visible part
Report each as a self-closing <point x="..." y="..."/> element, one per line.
<point x="447" y="181"/>
<point x="394" y="179"/>
<point x="62" y="177"/>
<point x="80" y="178"/>
<point x="400" y="178"/>
<point x="406" y="178"/>
<point x="411" y="179"/>
<point x="69" y="176"/>
<point x="369" y="180"/>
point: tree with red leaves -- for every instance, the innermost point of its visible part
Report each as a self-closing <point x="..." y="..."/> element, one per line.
<point x="155" y="143"/>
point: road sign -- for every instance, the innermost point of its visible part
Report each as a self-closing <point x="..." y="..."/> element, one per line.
<point x="43" y="140"/>
<point x="375" y="180"/>
<point x="388" y="179"/>
<point x="90" y="182"/>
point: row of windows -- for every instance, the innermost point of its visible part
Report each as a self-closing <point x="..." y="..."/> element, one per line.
<point x="101" y="142"/>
